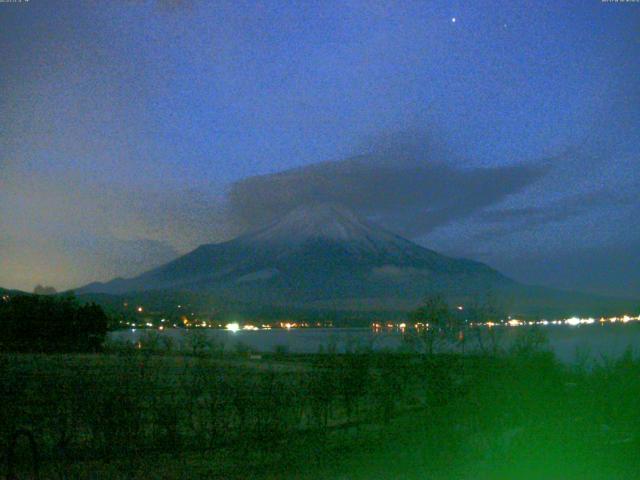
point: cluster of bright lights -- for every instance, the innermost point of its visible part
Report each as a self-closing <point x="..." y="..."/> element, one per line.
<point x="232" y="327"/>
<point x="571" y="321"/>
<point x="235" y="327"/>
<point x="390" y="326"/>
<point x="623" y="319"/>
<point x="376" y="326"/>
<point x="575" y="321"/>
<point x="514" y="322"/>
<point x="134" y="326"/>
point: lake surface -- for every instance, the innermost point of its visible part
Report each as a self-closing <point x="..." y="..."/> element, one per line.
<point x="570" y="343"/>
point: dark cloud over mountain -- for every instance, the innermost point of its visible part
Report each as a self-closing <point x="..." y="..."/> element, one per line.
<point x="556" y="211"/>
<point x="407" y="195"/>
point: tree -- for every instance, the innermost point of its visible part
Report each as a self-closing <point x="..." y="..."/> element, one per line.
<point x="44" y="290"/>
<point x="434" y="320"/>
<point x="483" y="313"/>
<point x="51" y="323"/>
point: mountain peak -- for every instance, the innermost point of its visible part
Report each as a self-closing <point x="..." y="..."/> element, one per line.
<point x="321" y="211"/>
<point x="321" y="218"/>
<point x="326" y="221"/>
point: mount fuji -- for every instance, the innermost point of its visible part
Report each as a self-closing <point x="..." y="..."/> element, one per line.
<point x="325" y="257"/>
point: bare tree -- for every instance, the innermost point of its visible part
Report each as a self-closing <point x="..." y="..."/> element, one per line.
<point x="434" y="321"/>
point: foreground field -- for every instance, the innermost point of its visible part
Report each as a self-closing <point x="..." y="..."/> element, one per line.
<point x="138" y="414"/>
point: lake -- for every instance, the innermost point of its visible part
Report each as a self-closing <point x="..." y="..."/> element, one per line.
<point x="570" y="343"/>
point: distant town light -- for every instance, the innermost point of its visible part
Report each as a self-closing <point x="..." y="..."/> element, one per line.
<point x="233" y="327"/>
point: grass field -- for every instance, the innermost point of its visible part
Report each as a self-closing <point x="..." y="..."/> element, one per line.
<point x="140" y="414"/>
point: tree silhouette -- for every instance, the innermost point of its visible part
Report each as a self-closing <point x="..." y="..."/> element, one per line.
<point x="51" y="323"/>
<point x="435" y="320"/>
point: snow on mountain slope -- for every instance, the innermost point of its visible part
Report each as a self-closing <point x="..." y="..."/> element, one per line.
<point x="325" y="221"/>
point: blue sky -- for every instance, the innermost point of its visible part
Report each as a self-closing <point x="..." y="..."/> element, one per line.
<point x="133" y="130"/>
